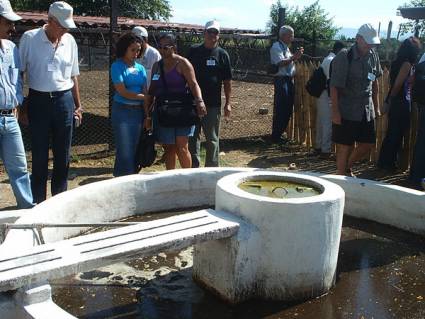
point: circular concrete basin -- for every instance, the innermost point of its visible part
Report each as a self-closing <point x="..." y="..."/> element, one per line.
<point x="287" y="250"/>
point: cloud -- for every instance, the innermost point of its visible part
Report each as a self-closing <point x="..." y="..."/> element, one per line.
<point x="201" y="15"/>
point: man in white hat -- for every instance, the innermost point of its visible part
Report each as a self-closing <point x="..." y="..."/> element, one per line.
<point x="354" y="98"/>
<point x="49" y="57"/>
<point x="12" y="150"/>
<point x="213" y="71"/>
<point x="148" y="54"/>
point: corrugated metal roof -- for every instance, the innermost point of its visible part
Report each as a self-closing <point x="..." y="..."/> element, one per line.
<point x="39" y="18"/>
<point x="413" y="13"/>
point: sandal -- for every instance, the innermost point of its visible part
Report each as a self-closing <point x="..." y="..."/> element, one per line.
<point x="349" y="173"/>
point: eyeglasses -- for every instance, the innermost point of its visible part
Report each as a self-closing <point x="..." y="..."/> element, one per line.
<point x="212" y="32"/>
<point x="166" y="47"/>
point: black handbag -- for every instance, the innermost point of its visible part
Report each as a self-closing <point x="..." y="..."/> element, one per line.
<point x="175" y="109"/>
<point x="145" y="152"/>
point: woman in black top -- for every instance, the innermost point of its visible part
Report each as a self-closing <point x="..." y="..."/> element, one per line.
<point x="399" y="98"/>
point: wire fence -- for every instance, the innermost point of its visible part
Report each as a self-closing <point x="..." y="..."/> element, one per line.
<point x="251" y="99"/>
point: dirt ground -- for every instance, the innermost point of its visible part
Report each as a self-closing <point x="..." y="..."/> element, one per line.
<point x="254" y="152"/>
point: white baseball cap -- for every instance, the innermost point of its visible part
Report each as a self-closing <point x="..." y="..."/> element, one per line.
<point x="369" y="34"/>
<point x="62" y="11"/>
<point x="7" y="12"/>
<point x="212" y="25"/>
<point x="140" y="32"/>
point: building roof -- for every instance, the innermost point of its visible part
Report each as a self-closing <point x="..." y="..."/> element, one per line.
<point x="88" y="22"/>
<point x="413" y="13"/>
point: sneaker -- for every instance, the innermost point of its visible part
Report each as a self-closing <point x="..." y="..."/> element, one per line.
<point x="280" y="141"/>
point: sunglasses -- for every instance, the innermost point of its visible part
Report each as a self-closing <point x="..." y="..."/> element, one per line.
<point x="212" y="31"/>
<point x="166" y="47"/>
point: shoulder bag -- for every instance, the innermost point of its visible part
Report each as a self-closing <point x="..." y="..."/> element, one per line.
<point x="175" y="109"/>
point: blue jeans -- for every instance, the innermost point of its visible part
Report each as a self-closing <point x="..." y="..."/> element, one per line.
<point x="284" y="92"/>
<point x="417" y="169"/>
<point x="127" y="124"/>
<point x="12" y="153"/>
<point x="50" y="116"/>
<point x="210" y="125"/>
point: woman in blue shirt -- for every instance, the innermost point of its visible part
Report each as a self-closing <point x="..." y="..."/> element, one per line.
<point x="129" y="79"/>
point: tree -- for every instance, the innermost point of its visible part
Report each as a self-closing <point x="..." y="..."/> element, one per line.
<point x="144" y="9"/>
<point x="305" y="21"/>
<point x="409" y="27"/>
<point x="310" y="23"/>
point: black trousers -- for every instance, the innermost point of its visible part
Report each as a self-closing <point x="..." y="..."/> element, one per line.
<point x="284" y="92"/>
<point x="398" y="124"/>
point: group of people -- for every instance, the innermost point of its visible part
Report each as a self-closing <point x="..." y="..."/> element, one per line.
<point x="346" y="111"/>
<point x="47" y="58"/>
<point x="141" y="75"/>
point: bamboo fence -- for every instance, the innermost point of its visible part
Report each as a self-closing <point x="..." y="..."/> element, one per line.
<point x="302" y="127"/>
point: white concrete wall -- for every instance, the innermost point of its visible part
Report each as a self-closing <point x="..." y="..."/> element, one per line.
<point x="117" y="198"/>
<point x="290" y="252"/>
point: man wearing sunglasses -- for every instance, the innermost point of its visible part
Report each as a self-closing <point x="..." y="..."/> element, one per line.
<point x="12" y="151"/>
<point x="49" y="57"/>
<point x="212" y="70"/>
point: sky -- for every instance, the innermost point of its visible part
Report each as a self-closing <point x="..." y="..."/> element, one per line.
<point x="254" y="14"/>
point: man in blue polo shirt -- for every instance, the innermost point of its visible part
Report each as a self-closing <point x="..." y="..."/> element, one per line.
<point x="213" y="70"/>
<point x="12" y="150"/>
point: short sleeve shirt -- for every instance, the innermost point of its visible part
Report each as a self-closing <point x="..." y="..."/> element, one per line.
<point x="48" y="69"/>
<point x="133" y="78"/>
<point x="212" y="67"/>
<point x="149" y="58"/>
<point x="279" y="52"/>
<point x="354" y="81"/>
<point x="10" y="78"/>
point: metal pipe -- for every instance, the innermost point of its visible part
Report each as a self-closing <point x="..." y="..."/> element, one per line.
<point x="66" y="225"/>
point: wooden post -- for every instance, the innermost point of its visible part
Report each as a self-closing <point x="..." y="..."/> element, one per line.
<point x="281" y="20"/>
<point x="113" y="27"/>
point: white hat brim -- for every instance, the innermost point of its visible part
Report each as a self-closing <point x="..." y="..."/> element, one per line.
<point x="11" y="16"/>
<point x="376" y="40"/>
<point x="68" y="23"/>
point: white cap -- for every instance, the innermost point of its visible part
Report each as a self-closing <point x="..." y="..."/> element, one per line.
<point x="212" y="25"/>
<point x="140" y="32"/>
<point x="369" y="34"/>
<point x="62" y="11"/>
<point x="7" y="12"/>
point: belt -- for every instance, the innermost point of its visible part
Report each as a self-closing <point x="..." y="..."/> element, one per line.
<point x="48" y="94"/>
<point x="130" y="106"/>
<point x="8" y="112"/>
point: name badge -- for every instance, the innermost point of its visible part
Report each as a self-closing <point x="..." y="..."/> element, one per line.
<point x="211" y="62"/>
<point x="371" y="77"/>
<point x="133" y="70"/>
<point x="52" y="67"/>
<point x="155" y="77"/>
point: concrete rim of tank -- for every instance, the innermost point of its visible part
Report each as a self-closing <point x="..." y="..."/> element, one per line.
<point x="328" y="190"/>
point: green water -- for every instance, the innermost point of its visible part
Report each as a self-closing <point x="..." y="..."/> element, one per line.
<point x="278" y="189"/>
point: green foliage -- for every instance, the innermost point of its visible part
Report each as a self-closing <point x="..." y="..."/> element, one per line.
<point x="309" y="22"/>
<point x="144" y="9"/>
<point x="409" y="27"/>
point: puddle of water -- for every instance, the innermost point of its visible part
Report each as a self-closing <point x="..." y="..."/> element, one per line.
<point x="381" y="274"/>
<point x="278" y="189"/>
